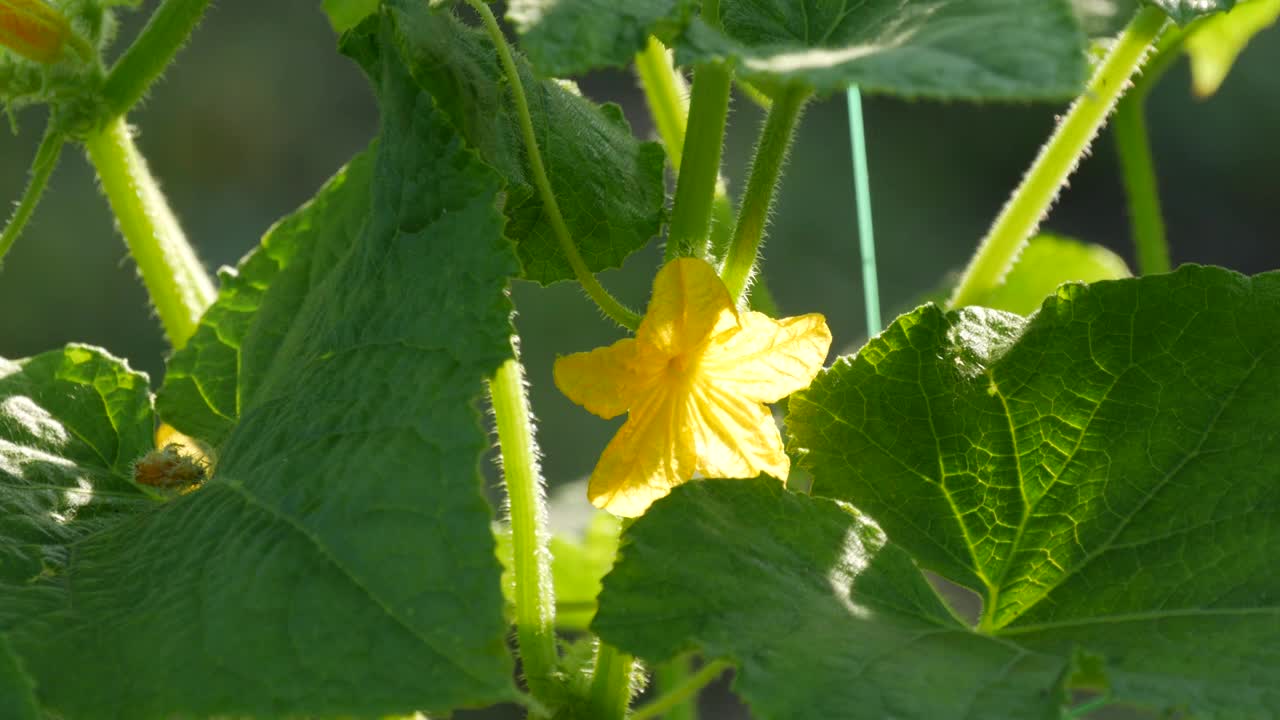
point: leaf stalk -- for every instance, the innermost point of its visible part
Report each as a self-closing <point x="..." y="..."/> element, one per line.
<point x="700" y="162"/>
<point x="164" y="34"/>
<point x="1058" y="158"/>
<point x="683" y="693"/>
<point x="179" y="286"/>
<point x="42" y="168"/>
<point x="615" y="310"/>
<point x="766" y="169"/>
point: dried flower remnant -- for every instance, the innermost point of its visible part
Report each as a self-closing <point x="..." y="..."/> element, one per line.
<point x="169" y="468"/>
<point x="694" y="382"/>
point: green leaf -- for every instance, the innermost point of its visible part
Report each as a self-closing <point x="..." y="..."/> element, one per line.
<point x="1184" y="11"/>
<point x="961" y="49"/>
<point x="822" y="617"/>
<point x="17" y="689"/>
<point x="72" y="422"/>
<point x="571" y="37"/>
<point x="1103" y="473"/>
<point x="1047" y="262"/>
<point x="1214" y="44"/>
<point x="610" y="187"/>
<point x="339" y="561"/>
<point x="346" y="14"/>
<point x="238" y="341"/>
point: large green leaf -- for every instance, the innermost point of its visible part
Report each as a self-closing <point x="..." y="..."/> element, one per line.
<point x="823" y="618"/>
<point x="17" y="689"/>
<point x="1104" y="473"/>
<point x="609" y="186"/>
<point x="1184" y="11"/>
<point x="965" y="49"/>
<point x="209" y="381"/>
<point x="339" y="562"/>
<point x="570" y="37"/>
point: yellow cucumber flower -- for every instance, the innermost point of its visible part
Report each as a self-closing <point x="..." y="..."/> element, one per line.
<point x="695" y="380"/>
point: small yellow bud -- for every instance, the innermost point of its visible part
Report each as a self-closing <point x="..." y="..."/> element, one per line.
<point x="33" y="29"/>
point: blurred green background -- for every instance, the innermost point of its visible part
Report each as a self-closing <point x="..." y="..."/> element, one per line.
<point x="260" y="109"/>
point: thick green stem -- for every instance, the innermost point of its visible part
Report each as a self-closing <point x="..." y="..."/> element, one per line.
<point x="618" y="312"/>
<point x="700" y="163"/>
<point x="611" y="684"/>
<point x="766" y="168"/>
<point x="1058" y="158"/>
<point x="41" y="168"/>
<point x="535" y="598"/>
<point x="165" y="33"/>
<point x="1137" y="165"/>
<point x="177" y="282"/>
<point x="681" y="695"/>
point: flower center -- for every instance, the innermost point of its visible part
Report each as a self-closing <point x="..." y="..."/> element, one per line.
<point x="678" y="365"/>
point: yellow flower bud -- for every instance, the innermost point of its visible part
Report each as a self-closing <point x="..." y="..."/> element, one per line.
<point x="33" y="29"/>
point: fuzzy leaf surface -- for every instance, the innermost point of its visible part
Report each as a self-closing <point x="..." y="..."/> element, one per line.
<point x="1103" y="473"/>
<point x="609" y="186"/>
<point x="775" y="581"/>
<point x="571" y="37"/>
<point x="954" y="49"/>
<point x="339" y="562"/>
<point x="214" y="375"/>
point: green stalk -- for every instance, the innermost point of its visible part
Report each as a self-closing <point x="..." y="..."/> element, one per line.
<point x="664" y="92"/>
<point x="668" y="703"/>
<point x="41" y="169"/>
<point x="616" y="311"/>
<point x="1058" y="158"/>
<point x="1137" y="166"/>
<point x="611" y="684"/>
<point x="670" y="677"/>
<point x="535" y="598"/>
<point x="700" y="162"/>
<point x="177" y="282"/>
<point x="165" y="33"/>
<point x="766" y="169"/>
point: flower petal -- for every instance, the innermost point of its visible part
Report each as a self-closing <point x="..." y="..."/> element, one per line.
<point x="689" y="304"/>
<point x="735" y="437"/>
<point x="652" y="453"/>
<point x="767" y="360"/>
<point x="606" y="380"/>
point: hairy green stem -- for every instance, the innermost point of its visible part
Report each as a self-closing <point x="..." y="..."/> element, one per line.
<point x="535" y="598"/>
<point x="610" y="684"/>
<point x="1058" y="158"/>
<point x="616" y="311"/>
<point x="41" y="169"/>
<point x="766" y="169"/>
<point x="700" y="163"/>
<point x="682" y="694"/>
<point x="1137" y="165"/>
<point x="165" y="33"/>
<point x="179" y="286"/>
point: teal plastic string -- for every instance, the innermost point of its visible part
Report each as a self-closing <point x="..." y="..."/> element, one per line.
<point x="862" y="192"/>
